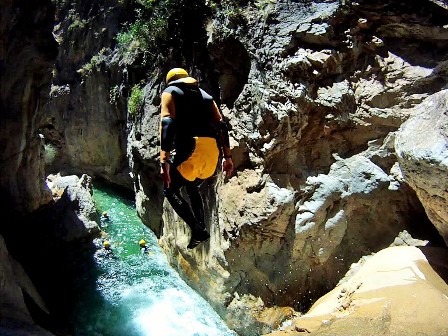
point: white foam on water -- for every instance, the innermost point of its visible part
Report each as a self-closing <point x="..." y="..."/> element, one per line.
<point x="174" y="313"/>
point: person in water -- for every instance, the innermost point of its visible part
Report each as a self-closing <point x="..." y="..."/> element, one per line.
<point x="193" y="129"/>
<point x="106" y="251"/>
<point x="143" y="247"/>
<point x="107" y="245"/>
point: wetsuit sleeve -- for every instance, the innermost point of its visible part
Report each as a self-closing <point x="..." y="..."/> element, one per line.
<point x="223" y="132"/>
<point x="167" y="117"/>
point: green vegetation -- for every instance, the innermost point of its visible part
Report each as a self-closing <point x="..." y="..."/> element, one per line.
<point x="234" y="3"/>
<point x="146" y="33"/>
<point x="135" y="101"/>
<point x="77" y="23"/>
<point x="149" y="4"/>
<point x="262" y="4"/>
<point x="233" y="14"/>
<point x="114" y="94"/>
<point x="95" y="62"/>
<point x="50" y="153"/>
<point x="232" y="11"/>
<point x="142" y="34"/>
<point x="161" y="28"/>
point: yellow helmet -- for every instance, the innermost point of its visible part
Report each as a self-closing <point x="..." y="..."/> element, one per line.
<point x="142" y="243"/>
<point x="175" y="74"/>
<point x="106" y="244"/>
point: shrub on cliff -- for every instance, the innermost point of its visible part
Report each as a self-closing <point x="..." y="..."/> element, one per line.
<point x="135" y="101"/>
<point x="161" y="28"/>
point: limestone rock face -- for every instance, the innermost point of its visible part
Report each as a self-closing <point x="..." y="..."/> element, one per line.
<point x="85" y="119"/>
<point x="336" y="208"/>
<point x="26" y="57"/>
<point x="314" y="93"/>
<point x="422" y="148"/>
<point x="398" y="291"/>
<point x="74" y="207"/>
<point x="143" y="150"/>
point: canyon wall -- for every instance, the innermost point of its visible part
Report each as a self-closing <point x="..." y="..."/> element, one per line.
<point x="27" y="53"/>
<point x="85" y="118"/>
<point x="315" y="93"/>
<point x="27" y="56"/>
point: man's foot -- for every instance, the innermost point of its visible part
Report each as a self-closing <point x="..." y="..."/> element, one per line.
<point x="198" y="238"/>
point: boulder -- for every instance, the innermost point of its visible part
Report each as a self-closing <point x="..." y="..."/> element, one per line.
<point x="422" y="148"/>
<point x="74" y="206"/>
<point x="398" y="291"/>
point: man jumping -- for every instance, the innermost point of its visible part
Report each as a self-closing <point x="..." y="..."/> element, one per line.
<point x="193" y="128"/>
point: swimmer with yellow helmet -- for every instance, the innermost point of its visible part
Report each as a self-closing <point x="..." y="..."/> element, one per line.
<point x="104" y="219"/>
<point x="106" y="245"/>
<point x="143" y="246"/>
<point x="106" y="251"/>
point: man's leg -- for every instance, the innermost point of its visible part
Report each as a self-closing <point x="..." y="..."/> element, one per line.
<point x="196" y="202"/>
<point x="179" y="204"/>
<point x="200" y="234"/>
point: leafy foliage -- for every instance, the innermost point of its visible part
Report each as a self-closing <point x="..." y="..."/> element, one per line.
<point x="135" y="101"/>
<point x="114" y="94"/>
<point x="50" y="153"/>
<point x="162" y="26"/>
<point x="143" y="33"/>
<point x="95" y="62"/>
<point x="147" y="3"/>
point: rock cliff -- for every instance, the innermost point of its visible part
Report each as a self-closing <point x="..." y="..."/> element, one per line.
<point x="422" y="150"/>
<point x="27" y="52"/>
<point x="26" y="57"/>
<point x="15" y="283"/>
<point x="85" y="118"/>
<point x="315" y="93"/>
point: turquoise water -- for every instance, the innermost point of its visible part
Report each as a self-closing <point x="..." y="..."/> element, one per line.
<point x="135" y="293"/>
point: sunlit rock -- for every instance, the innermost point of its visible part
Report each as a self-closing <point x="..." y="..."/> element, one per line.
<point x="422" y="148"/>
<point x="397" y="291"/>
<point x="74" y="206"/>
<point x="317" y="184"/>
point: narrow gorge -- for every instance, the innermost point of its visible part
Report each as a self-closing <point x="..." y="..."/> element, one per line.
<point x="335" y="221"/>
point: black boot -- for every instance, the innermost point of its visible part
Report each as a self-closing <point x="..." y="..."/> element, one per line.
<point x="197" y="238"/>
